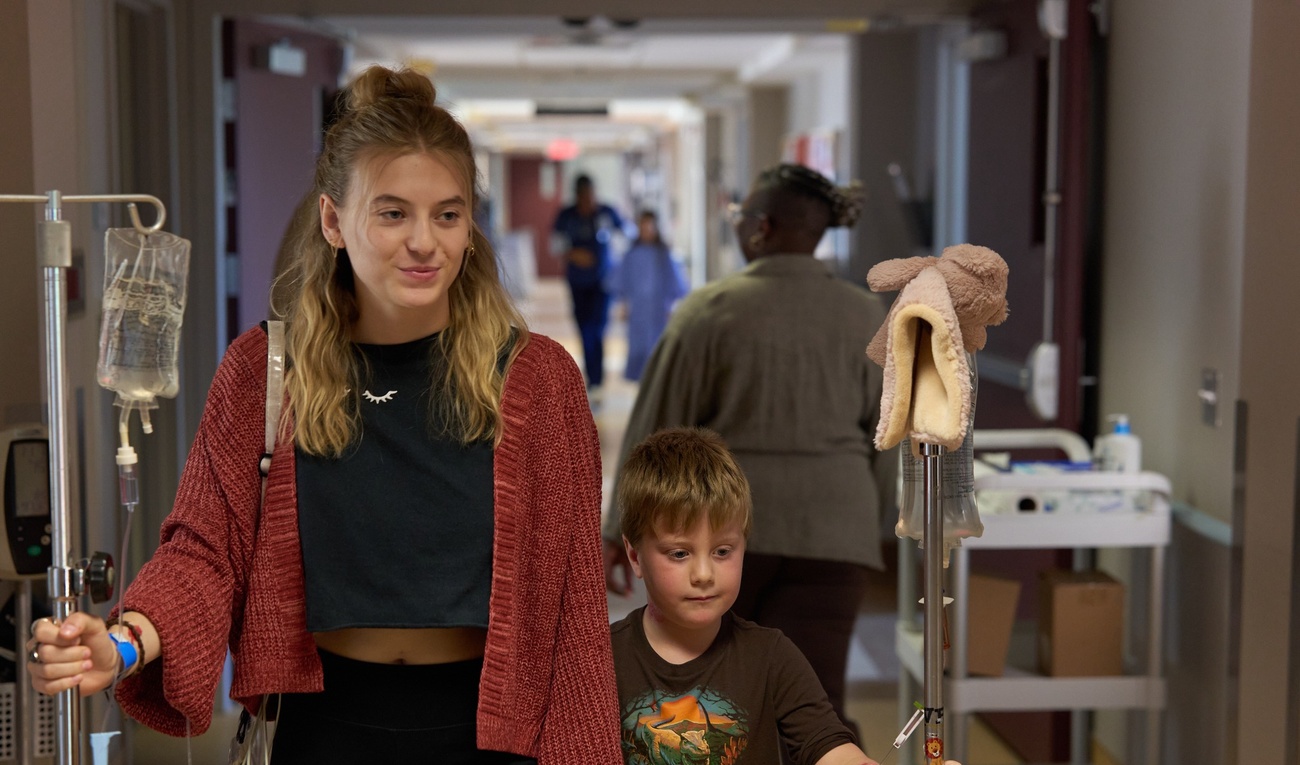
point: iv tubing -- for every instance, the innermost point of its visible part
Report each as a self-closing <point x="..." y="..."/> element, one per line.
<point x="129" y="494"/>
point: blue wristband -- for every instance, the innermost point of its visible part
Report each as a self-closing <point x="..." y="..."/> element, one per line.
<point x="127" y="649"/>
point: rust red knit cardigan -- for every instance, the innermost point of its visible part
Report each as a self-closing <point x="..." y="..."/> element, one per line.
<point x="227" y="575"/>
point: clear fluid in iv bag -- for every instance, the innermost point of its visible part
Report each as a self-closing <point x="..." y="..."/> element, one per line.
<point x="144" y="304"/>
<point x="140" y="349"/>
<point x="957" y="493"/>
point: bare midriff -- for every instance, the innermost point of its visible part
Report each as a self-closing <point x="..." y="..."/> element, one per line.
<point x="405" y="646"/>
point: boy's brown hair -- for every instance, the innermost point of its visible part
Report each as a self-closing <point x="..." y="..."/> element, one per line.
<point x="675" y="477"/>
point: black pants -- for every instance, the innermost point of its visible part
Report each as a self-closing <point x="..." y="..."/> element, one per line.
<point x="370" y="712"/>
<point x="591" y="313"/>
<point x="815" y="603"/>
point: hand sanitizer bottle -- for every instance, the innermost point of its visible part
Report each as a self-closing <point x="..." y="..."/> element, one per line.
<point x="1119" y="450"/>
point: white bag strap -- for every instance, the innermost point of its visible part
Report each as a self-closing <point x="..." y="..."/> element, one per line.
<point x="255" y="733"/>
<point x="274" y="392"/>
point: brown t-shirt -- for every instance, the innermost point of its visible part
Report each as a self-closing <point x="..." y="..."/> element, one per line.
<point x="733" y="704"/>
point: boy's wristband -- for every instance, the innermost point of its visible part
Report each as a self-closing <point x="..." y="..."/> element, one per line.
<point x="127" y="651"/>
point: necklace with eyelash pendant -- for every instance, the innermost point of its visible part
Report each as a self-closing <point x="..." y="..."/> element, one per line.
<point x="384" y="399"/>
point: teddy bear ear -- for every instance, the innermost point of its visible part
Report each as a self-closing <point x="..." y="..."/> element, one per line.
<point x="979" y="261"/>
<point x="878" y="348"/>
<point x="974" y="337"/>
<point x="1001" y="313"/>
<point x="893" y="274"/>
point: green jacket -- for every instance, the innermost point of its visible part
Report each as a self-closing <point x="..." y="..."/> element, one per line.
<point x="773" y="358"/>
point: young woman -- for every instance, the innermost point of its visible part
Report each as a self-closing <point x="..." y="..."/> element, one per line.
<point x="423" y="578"/>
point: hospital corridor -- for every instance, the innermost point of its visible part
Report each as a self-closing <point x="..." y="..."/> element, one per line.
<point x="400" y="381"/>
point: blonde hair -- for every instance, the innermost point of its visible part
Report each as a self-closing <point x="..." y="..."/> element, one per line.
<point x="391" y="113"/>
<point x="676" y="477"/>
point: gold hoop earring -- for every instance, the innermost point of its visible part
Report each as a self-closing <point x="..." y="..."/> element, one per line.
<point x="469" y="251"/>
<point x="756" y="241"/>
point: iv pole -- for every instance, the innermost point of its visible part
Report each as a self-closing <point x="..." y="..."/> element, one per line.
<point x="67" y="578"/>
<point x="932" y="500"/>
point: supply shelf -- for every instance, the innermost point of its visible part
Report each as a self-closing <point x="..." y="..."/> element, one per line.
<point x="1018" y="689"/>
<point x="1142" y="688"/>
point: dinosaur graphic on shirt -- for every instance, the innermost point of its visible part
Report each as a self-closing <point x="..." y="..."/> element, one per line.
<point x="700" y="727"/>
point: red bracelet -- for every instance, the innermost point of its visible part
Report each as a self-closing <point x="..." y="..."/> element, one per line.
<point x="137" y="635"/>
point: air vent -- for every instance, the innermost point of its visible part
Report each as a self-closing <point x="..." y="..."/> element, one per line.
<point x="572" y="110"/>
<point x="583" y="38"/>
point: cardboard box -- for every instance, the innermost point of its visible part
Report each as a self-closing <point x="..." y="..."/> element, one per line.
<point x="992" y="613"/>
<point x="1080" y="624"/>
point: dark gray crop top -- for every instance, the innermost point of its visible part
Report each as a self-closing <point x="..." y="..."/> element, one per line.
<point x="398" y="531"/>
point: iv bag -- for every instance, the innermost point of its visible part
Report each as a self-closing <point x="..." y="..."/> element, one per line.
<point x="961" y="518"/>
<point x="144" y="302"/>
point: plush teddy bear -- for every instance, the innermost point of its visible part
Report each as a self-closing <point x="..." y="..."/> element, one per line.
<point x="977" y="285"/>
<point x="941" y="312"/>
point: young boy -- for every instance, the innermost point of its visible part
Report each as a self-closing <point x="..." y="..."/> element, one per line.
<point x="695" y="683"/>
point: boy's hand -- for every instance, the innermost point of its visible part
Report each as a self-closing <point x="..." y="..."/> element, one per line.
<point x="616" y="559"/>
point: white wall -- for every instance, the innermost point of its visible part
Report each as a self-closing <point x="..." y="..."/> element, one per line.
<point x="1174" y="225"/>
<point x="819" y="100"/>
<point x="1180" y="185"/>
<point x="691" y="190"/>
<point x="1174" y="222"/>
<point x="1174" y="216"/>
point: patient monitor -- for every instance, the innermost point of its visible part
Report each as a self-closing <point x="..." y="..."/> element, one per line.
<point x="25" y="483"/>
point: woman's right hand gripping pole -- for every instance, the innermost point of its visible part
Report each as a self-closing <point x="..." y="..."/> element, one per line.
<point x="75" y="654"/>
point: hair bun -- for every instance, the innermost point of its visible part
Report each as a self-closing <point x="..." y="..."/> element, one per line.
<point x="846" y="204"/>
<point x="845" y="201"/>
<point x="378" y="83"/>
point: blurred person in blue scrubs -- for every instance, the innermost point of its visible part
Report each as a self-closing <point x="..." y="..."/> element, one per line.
<point x="582" y="234"/>
<point x="649" y="281"/>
